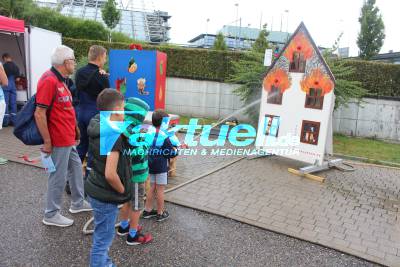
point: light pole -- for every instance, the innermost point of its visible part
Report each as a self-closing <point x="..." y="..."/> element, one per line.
<point x="287" y="20"/>
<point x="237" y="19"/>
<point x="205" y="38"/>
<point x="246" y="37"/>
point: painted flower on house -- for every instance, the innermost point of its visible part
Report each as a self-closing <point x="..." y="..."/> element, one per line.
<point x="277" y="78"/>
<point x="317" y="80"/>
<point x="299" y="44"/>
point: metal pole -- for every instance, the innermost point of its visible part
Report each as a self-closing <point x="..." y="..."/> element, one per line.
<point x="205" y="39"/>
<point x="240" y="32"/>
<point x="287" y="20"/>
<point x="237" y="18"/>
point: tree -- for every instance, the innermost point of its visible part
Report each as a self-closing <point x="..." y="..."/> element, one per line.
<point x="249" y="72"/>
<point x="219" y="43"/>
<point x="261" y="43"/>
<point x="111" y="15"/>
<point x="15" y="8"/>
<point x="346" y="88"/>
<point x="372" y="33"/>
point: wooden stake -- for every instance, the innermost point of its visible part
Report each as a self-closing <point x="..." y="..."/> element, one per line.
<point x="307" y="175"/>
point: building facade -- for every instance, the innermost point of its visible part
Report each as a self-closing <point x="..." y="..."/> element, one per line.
<point x="239" y="38"/>
<point x="137" y="21"/>
<point x="391" y="57"/>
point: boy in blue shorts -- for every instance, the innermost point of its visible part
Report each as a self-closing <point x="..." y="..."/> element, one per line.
<point x="160" y="151"/>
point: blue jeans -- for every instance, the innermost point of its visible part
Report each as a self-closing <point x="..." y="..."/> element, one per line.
<point x="105" y="216"/>
<point x="10" y="96"/>
<point x="85" y="114"/>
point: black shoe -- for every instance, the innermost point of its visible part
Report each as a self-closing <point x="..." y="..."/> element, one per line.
<point x="163" y="216"/>
<point x="122" y="231"/>
<point x="67" y="188"/>
<point x="138" y="239"/>
<point x="149" y="214"/>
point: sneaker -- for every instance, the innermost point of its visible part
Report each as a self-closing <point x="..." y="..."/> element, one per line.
<point x="162" y="217"/>
<point x="85" y="207"/>
<point x="124" y="231"/>
<point x="139" y="239"/>
<point x="58" y="220"/>
<point x="149" y="214"/>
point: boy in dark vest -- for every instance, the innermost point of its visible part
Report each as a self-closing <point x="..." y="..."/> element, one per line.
<point x="109" y="184"/>
<point x="135" y="112"/>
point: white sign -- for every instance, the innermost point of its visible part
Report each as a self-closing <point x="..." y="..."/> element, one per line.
<point x="268" y="57"/>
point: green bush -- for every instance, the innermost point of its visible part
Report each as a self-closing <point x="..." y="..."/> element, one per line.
<point x="120" y="37"/>
<point x="49" y="19"/>
<point x="199" y="64"/>
<point x="379" y="79"/>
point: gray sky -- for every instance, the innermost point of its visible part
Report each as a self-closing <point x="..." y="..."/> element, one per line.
<point x="325" y="19"/>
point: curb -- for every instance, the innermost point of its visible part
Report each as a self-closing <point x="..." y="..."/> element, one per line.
<point x="369" y="162"/>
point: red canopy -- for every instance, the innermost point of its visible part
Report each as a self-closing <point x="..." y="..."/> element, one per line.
<point x="11" y="25"/>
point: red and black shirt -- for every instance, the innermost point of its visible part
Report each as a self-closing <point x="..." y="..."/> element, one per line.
<point x="52" y="91"/>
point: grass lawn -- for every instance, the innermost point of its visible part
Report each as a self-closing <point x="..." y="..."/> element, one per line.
<point x="184" y="120"/>
<point x="366" y="148"/>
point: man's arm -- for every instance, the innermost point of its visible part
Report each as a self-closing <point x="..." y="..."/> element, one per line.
<point x="41" y="122"/>
<point x="3" y="76"/>
<point x="111" y="172"/>
<point x="77" y="134"/>
<point x="169" y="151"/>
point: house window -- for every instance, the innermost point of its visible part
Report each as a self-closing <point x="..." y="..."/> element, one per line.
<point x="314" y="99"/>
<point x="310" y="132"/>
<point x="271" y="125"/>
<point x="298" y="63"/>
<point x="274" y="96"/>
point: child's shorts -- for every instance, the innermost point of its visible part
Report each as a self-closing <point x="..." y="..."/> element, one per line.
<point x="138" y="197"/>
<point x="159" y="178"/>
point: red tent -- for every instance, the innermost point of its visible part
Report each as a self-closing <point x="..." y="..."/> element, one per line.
<point x="11" y="25"/>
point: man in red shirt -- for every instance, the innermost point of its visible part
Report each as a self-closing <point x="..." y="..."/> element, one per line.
<point x="56" y="121"/>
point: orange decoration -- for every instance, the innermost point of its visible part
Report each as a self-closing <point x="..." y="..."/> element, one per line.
<point x="160" y="95"/>
<point x="317" y="80"/>
<point x="299" y="44"/>
<point x="277" y="78"/>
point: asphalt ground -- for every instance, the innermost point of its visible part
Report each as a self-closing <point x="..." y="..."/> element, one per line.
<point x="187" y="238"/>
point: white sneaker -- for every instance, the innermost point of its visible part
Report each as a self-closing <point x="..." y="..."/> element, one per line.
<point x="85" y="207"/>
<point x="58" y="220"/>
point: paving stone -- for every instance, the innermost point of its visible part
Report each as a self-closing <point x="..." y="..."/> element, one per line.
<point x="307" y="226"/>
<point x="280" y="225"/>
<point x="279" y="218"/>
<point x="308" y="234"/>
<point x="341" y="242"/>
<point x="376" y="253"/>
<point x="321" y="230"/>
<point x="358" y="247"/>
